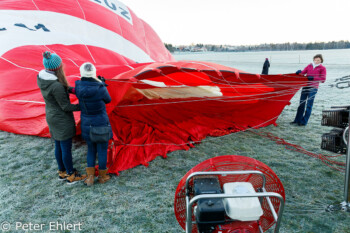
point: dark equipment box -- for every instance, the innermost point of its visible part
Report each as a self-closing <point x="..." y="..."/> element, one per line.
<point x="336" y="118"/>
<point x="209" y="212"/>
<point x="333" y="141"/>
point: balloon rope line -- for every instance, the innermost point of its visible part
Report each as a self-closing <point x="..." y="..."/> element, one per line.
<point x="269" y="82"/>
<point x="90" y="53"/>
<point x="180" y="92"/>
<point x="228" y="82"/>
<point x="221" y="87"/>
<point x="199" y="100"/>
<point x="35" y="5"/>
<point x="238" y="77"/>
<point x="132" y="68"/>
<point x="280" y="83"/>
<point x="18" y="65"/>
<point x="224" y="99"/>
<point x="339" y="166"/>
<point x="263" y="94"/>
<point x="84" y="43"/>
<point x="239" y="73"/>
<point x="284" y="92"/>
<point x="81" y="9"/>
<point x="73" y="63"/>
<point x="232" y="82"/>
<point x="42" y="45"/>
<point x="23" y="101"/>
<point x="197" y="76"/>
<point x="242" y="81"/>
<point x="122" y="34"/>
<point x="246" y="84"/>
<point x="221" y="99"/>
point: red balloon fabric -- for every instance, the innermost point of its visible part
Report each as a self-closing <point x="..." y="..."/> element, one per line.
<point x="158" y="105"/>
<point x="162" y="107"/>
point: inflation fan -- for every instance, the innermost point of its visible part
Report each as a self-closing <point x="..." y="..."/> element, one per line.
<point x="229" y="194"/>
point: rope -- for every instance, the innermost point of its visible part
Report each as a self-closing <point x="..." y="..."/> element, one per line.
<point x="326" y="159"/>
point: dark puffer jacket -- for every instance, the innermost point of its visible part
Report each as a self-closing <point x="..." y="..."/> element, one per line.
<point x="93" y="97"/>
<point x="59" y="110"/>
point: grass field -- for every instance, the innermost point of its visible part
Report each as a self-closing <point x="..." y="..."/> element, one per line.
<point x="141" y="199"/>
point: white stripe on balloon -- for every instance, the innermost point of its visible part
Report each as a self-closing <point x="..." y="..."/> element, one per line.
<point x="64" y="29"/>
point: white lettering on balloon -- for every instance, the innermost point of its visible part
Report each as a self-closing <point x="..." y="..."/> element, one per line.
<point x="116" y="7"/>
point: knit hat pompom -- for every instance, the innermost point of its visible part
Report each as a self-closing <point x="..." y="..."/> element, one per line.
<point x="51" y="61"/>
<point x="47" y="55"/>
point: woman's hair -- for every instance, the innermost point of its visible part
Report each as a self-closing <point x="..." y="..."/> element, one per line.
<point x="319" y="56"/>
<point x="62" y="76"/>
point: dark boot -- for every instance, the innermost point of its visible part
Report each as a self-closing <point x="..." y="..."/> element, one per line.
<point x="102" y="176"/>
<point x="90" y="171"/>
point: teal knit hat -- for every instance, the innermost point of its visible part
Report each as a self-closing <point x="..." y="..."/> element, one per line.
<point x="51" y="61"/>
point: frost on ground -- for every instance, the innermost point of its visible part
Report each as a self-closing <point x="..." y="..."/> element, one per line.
<point x="141" y="199"/>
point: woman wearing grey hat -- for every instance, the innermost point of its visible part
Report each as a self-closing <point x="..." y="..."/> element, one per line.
<point x="93" y="97"/>
<point x="59" y="114"/>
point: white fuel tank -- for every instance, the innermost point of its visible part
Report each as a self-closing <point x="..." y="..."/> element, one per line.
<point x="242" y="209"/>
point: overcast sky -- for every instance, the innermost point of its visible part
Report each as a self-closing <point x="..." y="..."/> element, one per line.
<point x="237" y="22"/>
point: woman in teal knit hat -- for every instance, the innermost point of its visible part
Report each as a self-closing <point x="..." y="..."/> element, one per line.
<point x="59" y="114"/>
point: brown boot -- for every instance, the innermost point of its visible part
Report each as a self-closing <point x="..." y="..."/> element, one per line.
<point x="102" y="176"/>
<point x="62" y="175"/>
<point x="75" y="177"/>
<point x="90" y="171"/>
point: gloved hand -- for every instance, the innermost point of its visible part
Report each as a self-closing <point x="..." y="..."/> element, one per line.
<point x="298" y="72"/>
<point x="310" y="78"/>
<point x="71" y="90"/>
<point x="101" y="78"/>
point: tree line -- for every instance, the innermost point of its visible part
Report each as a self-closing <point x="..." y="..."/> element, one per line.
<point x="261" y="47"/>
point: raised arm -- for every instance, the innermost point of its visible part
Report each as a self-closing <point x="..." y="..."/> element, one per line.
<point x="106" y="97"/>
<point x="304" y="70"/>
<point x="62" y="99"/>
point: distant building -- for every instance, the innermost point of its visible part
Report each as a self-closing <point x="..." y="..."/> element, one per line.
<point x="198" y="49"/>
